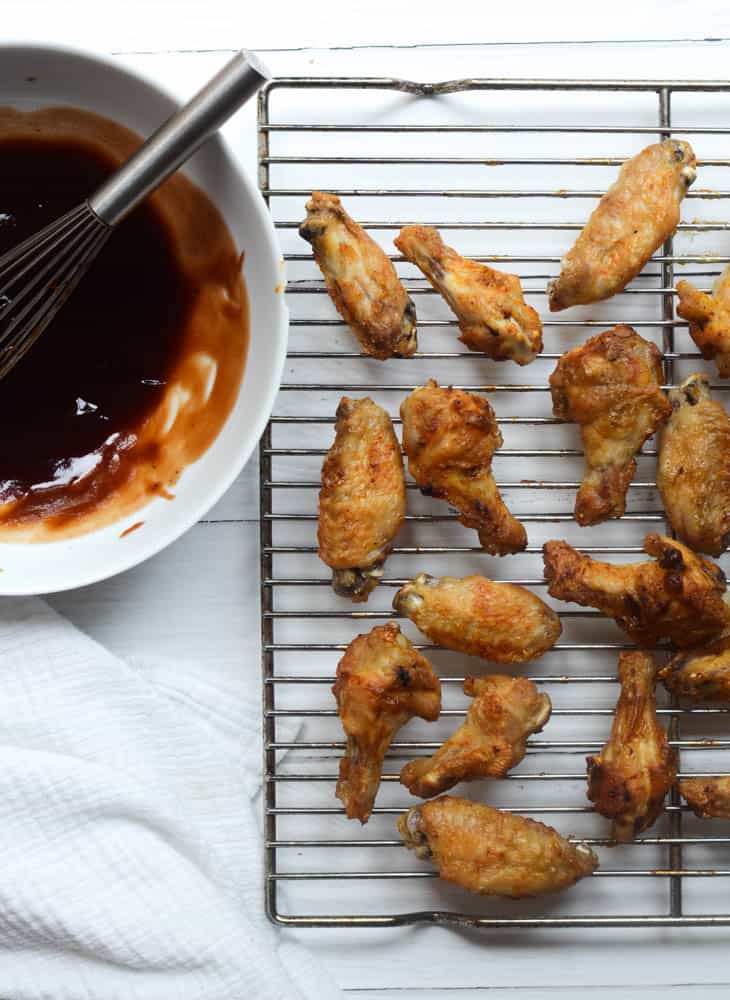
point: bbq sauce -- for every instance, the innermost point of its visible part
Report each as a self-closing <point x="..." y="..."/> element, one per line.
<point x="99" y="368"/>
<point x="77" y="413"/>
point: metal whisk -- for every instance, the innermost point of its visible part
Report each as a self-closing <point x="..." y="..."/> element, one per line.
<point x="38" y="275"/>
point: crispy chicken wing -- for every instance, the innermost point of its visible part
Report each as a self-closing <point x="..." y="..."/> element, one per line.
<point x="362" y="501"/>
<point x="491" y="309"/>
<point x="637" y="213"/>
<point x="611" y="386"/>
<point x="493" y="853"/>
<point x="381" y="683"/>
<point x="630" y="777"/>
<point x="693" y="472"/>
<point x="501" y="622"/>
<point x="361" y="280"/>
<point x="678" y="597"/>
<point x="709" y="319"/>
<point x="707" y="797"/>
<point x="492" y="739"/>
<point x="450" y="437"/>
<point x="700" y="675"/>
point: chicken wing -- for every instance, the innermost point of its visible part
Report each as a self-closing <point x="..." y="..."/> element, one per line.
<point x="493" y="853"/>
<point x="381" y="683"/>
<point x="493" y="315"/>
<point x="500" y="622"/>
<point x="450" y="437"/>
<point x="700" y="675"/>
<point x="630" y="777"/>
<point x="634" y="217"/>
<point x="709" y="319"/>
<point x="679" y="597"/>
<point x="361" y="280"/>
<point x="362" y="501"/>
<point x="492" y="739"/>
<point x="693" y="471"/>
<point x="707" y="797"/>
<point x="611" y="386"/>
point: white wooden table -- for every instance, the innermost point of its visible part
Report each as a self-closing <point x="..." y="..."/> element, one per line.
<point x="197" y="601"/>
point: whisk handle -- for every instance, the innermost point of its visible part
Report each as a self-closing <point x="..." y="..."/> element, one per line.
<point x="179" y="137"/>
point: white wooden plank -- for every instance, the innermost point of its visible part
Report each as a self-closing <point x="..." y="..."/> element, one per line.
<point x="627" y="992"/>
<point x="150" y="25"/>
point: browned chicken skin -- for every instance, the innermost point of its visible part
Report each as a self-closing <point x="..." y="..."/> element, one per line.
<point x="631" y="776"/>
<point x="361" y="280"/>
<point x="493" y="315"/>
<point x="611" y="386"/>
<point x="493" y="853"/>
<point x="491" y="740"/>
<point x="700" y="675"/>
<point x="500" y="622"/>
<point x="693" y="471"/>
<point x="450" y="437"/>
<point x="381" y="683"/>
<point x="362" y="501"/>
<point x="709" y="319"/>
<point x="634" y="217"/>
<point x="707" y="797"/>
<point x="678" y="597"/>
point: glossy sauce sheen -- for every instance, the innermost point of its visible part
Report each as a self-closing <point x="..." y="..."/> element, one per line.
<point x="76" y="447"/>
<point x="100" y="367"/>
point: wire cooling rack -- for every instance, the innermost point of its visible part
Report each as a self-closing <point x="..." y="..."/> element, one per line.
<point x="509" y="171"/>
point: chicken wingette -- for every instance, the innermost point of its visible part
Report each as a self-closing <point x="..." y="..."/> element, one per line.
<point x="493" y="315"/>
<point x="361" y="280"/>
<point x="679" y="596"/>
<point x="381" y="683"/>
<point x="492" y="739"/>
<point x="629" y="779"/>
<point x="707" y="797"/>
<point x="709" y="319"/>
<point x="500" y="622"/>
<point x="450" y="437"/>
<point x="634" y="217"/>
<point x="700" y="675"/>
<point x="493" y="853"/>
<point x="362" y="501"/>
<point x="611" y="386"/>
<point x="693" y="470"/>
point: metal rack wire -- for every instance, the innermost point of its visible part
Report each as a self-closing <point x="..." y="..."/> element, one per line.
<point x="385" y="142"/>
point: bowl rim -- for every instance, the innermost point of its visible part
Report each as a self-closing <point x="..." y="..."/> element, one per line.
<point x="195" y="509"/>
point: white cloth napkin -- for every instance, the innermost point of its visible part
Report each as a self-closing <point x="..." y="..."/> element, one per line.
<point x="130" y="847"/>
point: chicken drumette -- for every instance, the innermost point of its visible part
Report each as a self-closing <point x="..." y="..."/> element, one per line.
<point x="381" y="683"/>
<point x="634" y="217"/>
<point x="493" y="853"/>
<point x="693" y="472"/>
<point x="362" y="502"/>
<point x="491" y="309"/>
<point x="700" y="675"/>
<point x="501" y="622"/>
<point x="709" y="319"/>
<point x="678" y="597"/>
<point x="707" y="797"/>
<point x="631" y="776"/>
<point x="361" y="280"/>
<point x="504" y="713"/>
<point x="611" y="386"/>
<point x="450" y="437"/>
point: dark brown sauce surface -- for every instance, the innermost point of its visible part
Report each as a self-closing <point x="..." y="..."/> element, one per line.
<point x="136" y="375"/>
<point x="100" y="367"/>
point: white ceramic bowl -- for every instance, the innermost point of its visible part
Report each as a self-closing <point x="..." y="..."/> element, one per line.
<point x="38" y="75"/>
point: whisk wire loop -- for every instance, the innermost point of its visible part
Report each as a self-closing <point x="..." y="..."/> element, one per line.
<point x="62" y="266"/>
